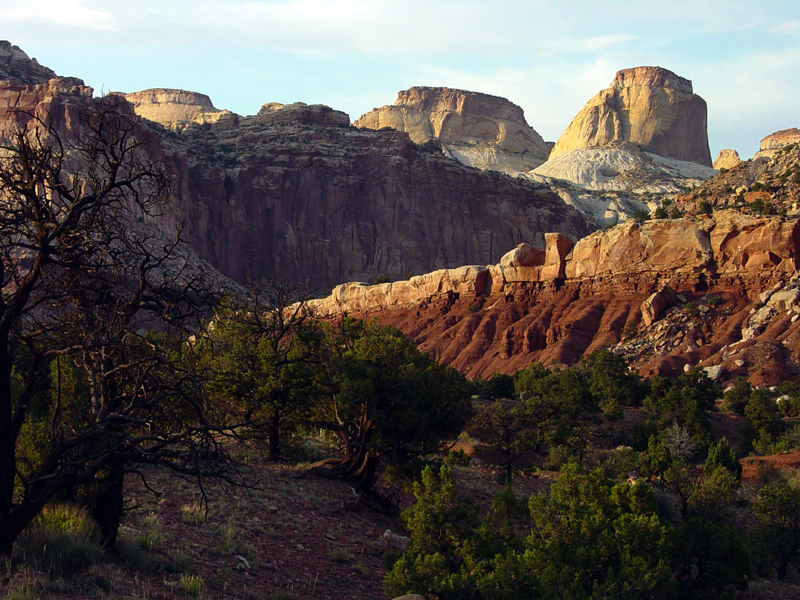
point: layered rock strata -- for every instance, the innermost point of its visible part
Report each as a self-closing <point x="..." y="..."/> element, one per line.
<point x="499" y="318"/>
<point x="175" y="109"/>
<point x="774" y="142"/>
<point x="295" y="193"/>
<point x="648" y="106"/>
<point x="477" y="129"/>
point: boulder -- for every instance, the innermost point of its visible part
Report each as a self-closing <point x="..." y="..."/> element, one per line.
<point x="558" y="247"/>
<point x="524" y="255"/>
<point x="393" y="542"/>
<point x="784" y="299"/>
<point x="648" y="106"/>
<point x="657" y="303"/>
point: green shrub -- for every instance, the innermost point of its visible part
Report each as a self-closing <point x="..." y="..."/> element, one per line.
<point x="457" y="458"/>
<point x="60" y="541"/>
<point x="630" y="330"/>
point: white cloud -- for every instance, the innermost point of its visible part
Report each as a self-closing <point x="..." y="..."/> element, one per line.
<point x="74" y="13"/>
<point x="787" y="28"/>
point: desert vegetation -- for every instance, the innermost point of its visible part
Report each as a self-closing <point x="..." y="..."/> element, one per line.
<point x="209" y="444"/>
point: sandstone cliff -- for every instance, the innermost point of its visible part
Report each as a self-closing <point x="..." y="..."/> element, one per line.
<point x="295" y="193"/>
<point x="776" y="141"/>
<point x="175" y="109"/>
<point x="648" y="106"/>
<point x="727" y="159"/>
<point x="477" y="129"/>
<point x="555" y="306"/>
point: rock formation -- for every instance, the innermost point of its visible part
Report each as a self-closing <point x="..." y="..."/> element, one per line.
<point x="499" y="318"/>
<point x="175" y="109"/>
<point x="776" y="141"/>
<point x="623" y="168"/>
<point x="765" y="184"/>
<point x="477" y="129"/>
<point x="295" y="193"/>
<point x="648" y="106"/>
<point x="18" y="69"/>
<point x="727" y="159"/>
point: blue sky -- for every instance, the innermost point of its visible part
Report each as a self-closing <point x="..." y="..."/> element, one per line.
<point x="549" y="57"/>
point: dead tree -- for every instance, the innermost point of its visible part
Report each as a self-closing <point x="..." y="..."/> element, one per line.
<point x="94" y="297"/>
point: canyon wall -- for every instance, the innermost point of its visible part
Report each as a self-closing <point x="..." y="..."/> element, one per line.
<point x="295" y="193"/>
<point x="559" y="305"/>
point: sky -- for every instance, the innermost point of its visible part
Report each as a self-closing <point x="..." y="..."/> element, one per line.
<point x="549" y="57"/>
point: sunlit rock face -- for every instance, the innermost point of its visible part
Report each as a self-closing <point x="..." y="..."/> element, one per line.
<point x="777" y="141"/>
<point x="477" y="129"/>
<point x="727" y="159"/>
<point x="175" y="109"/>
<point x="564" y="302"/>
<point x="648" y="106"/>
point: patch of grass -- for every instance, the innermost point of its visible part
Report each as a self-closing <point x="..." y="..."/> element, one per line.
<point x="194" y="513"/>
<point x="149" y="535"/>
<point x="26" y="584"/>
<point x="62" y="540"/>
<point x="192" y="584"/>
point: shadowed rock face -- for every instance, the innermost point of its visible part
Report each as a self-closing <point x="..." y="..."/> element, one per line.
<point x="295" y="193"/>
<point x="483" y="131"/>
<point x="648" y="106"/>
<point x="17" y="68"/>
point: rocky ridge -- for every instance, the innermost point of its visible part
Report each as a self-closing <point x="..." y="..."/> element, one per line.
<point x="175" y="109"/>
<point x="476" y="129"/>
<point x="295" y="192"/>
<point x="648" y="106"/>
<point x="769" y="185"/>
<point x="774" y="142"/>
<point x="559" y="304"/>
<point x="18" y="68"/>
